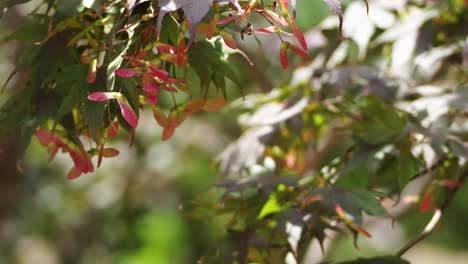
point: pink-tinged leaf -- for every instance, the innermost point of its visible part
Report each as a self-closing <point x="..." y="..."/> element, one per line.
<point x="127" y="57"/>
<point x="147" y="78"/>
<point x="450" y="183"/>
<point x="128" y="113"/>
<point x="172" y="58"/>
<point x="169" y="130"/>
<point x="249" y="7"/>
<point x="91" y="77"/>
<point x="161" y="74"/>
<point x="299" y="51"/>
<point x="300" y="37"/>
<point x="215" y="104"/>
<point x="113" y="129"/>
<point x="426" y="202"/>
<point x="137" y="60"/>
<point x="284" y="4"/>
<point x="287" y="33"/>
<point x="227" y="19"/>
<point x="44" y="136"/>
<point x="74" y="173"/>
<point x="147" y="33"/>
<point x="59" y="142"/>
<point x="160" y="117"/>
<point x="267" y="30"/>
<point x="169" y="88"/>
<point x="181" y="56"/>
<point x="228" y="39"/>
<point x="194" y="105"/>
<point x="126" y="73"/>
<point x="181" y="117"/>
<point x="80" y="160"/>
<point x="339" y="210"/>
<point x="166" y="48"/>
<point x="110" y="152"/>
<point x="341" y="213"/>
<point x="151" y="87"/>
<point x="177" y="81"/>
<point x="183" y="88"/>
<point x="152" y="98"/>
<point x="103" y="96"/>
<point x="284" y="54"/>
<point x="274" y="17"/>
<point x="79" y="156"/>
<point x="361" y="230"/>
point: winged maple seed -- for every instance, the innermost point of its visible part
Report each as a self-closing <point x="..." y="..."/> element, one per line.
<point x="151" y="61"/>
<point x="56" y="140"/>
<point x="196" y="10"/>
<point x="125" y="108"/>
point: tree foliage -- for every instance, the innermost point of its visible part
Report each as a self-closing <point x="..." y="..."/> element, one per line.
<point x="382" y="103"/>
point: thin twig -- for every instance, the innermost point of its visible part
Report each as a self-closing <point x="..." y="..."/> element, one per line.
<point x="425" y="171"/>
<point x="437" y="215"/>
<point x="427" y="230"/>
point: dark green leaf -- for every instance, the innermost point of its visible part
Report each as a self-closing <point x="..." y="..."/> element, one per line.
<point x="368" y="202"/>
<point x="397" y="169"/>
<point x="355" y="178"/>
<point x="207" y="58"/>
<point x="76" y="95"/>
<point x="380" y="122"/>
<point x="93" y="112"/>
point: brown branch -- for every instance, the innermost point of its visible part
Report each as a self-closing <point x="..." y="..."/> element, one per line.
<point x="429" y="169"/>
<point x="437" y="215"/>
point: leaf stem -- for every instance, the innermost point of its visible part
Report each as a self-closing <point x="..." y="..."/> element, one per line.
<point x="272" y="24"/>
<point x="173" y="99"/>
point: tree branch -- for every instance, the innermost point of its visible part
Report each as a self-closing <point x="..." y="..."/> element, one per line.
<point x="437" y="215"/>
<point x="429" y="169"/>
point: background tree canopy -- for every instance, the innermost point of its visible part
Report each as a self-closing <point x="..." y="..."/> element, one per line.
<point x="331" y="123"/>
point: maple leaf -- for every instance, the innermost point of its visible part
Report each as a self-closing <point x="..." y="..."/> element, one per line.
<point x="194" y="10"/>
